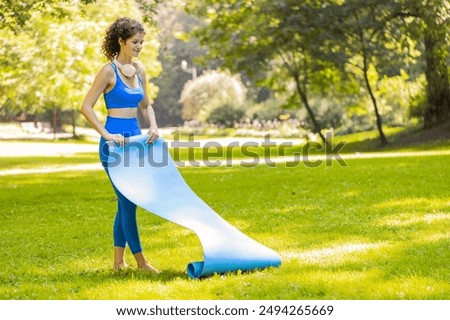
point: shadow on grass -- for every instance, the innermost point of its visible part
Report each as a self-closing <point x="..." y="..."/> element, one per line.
<point x="413" y="137"/>
<point x="89" y="284"/>
<point x="99" y="276"/>
<point x="381" y="275"/>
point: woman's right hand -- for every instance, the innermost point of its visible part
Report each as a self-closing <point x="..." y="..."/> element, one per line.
<point x="117" y="138"/>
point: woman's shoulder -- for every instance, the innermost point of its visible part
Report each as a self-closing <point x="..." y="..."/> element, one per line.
<point x="106" y="71"/>
<point x="140" y="71"/>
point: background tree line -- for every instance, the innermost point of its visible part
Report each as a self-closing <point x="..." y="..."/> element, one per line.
<point x="331" y="50"/>
<point x="348" y="64"/>
<point x="51" y="52"/>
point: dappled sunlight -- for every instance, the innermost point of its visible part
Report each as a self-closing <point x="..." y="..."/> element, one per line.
<point x="350" y="194"/>
<point x="332" y="255"/>
<point x="52" y="169"/>
<point x="411" y="287"/>
<point x="408" y="219"/>
<point x="75" y="265"/>
<point x="240" y="224"/>
<point x="131" y="288"/>
<point x="344" y="277"/>
<point x="435" y="237"/>
<point x="293" y="209"/>
<point x="360" y="241"/>
<point x="385" y="270"/>
<point x="430" y="204"/>
<point x="373" y="283"/>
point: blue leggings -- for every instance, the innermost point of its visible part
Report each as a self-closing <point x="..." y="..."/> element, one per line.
<point x="125" y="224"/>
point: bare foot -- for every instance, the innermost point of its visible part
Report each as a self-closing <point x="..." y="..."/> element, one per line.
<point x="119" y="259"/>
<point x="143" y="263"/>
<point x="120" y="266"/>
<point x="149" y="268"/>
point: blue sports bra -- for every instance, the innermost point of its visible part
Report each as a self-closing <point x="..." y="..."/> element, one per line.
<point x="122" y="96"/>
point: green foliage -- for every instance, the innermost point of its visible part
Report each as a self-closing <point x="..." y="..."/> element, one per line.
<point x="269" y="109"/>
<point x="173" y="26"/>
<point x="418" y="106"/>
<point x="265" y="39"/>
<point x="148" y="9"/>
<point x="225" y="115"/>
<point x="308" y="48"/>
<point x="396" y="97"/>
<point x="427" y="23"/>
<point x="51" y="62"/>
<point x="15" y="14"/>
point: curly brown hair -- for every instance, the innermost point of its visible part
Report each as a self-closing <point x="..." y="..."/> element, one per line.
<point x="123" y="28"/>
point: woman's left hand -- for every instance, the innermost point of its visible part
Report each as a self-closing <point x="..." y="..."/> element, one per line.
<point x="152" y="135"/>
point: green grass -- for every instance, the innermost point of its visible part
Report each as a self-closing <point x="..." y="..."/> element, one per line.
<point x="400" y="140"/>
<point x="79" y="139"/>
<point x="31" y="162"/>
<point x="376" y="229"/>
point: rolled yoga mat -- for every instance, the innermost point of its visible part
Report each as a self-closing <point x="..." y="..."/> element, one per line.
<point x="147" y="176"/>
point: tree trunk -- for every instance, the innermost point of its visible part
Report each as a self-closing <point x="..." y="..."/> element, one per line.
<point x="304" y="98"/>
<point x="383" y="139"/>
<point x="54" y="122"/>
<point x="438" y="88"/>
<point x="74" y="124"/>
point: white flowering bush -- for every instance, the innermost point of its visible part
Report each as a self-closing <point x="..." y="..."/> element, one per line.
<point x="211" y="90"/>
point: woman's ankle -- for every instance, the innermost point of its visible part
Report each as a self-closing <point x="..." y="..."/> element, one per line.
<point x="120" y="266"/>
<point x="149" y="268"/>
<point x="143" y="263"/>
<point x="140" y="259"/>
<point x="119" y="256"/>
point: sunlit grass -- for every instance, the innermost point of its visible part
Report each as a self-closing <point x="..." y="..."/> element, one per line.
<point x="400" y="140"/>
<point x="377" y="229"/>
<point x="250" y="152"/>
<point x="29" y="162"/>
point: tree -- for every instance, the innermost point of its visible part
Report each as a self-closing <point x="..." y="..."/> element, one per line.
<point x="50" y="62"/>
<point x="428" y="22"/>
<point x="173" y="24"/>
<point x="359" y="31"/>
<point x="226" y="115"/>
<point x="15" y="14"/>
<point x="278" y="40"/>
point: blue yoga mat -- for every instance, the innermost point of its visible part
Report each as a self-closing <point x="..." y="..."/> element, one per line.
<point x="147" y="176"/>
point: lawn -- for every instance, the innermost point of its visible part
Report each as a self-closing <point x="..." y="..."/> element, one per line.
<point x="33" y="162"/>
<point x="401" y="140"/>
<point x="376" y="229"/>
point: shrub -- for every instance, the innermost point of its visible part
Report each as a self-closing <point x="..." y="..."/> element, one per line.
<point x="226" y="115"/>
<point x="208" y="92"/>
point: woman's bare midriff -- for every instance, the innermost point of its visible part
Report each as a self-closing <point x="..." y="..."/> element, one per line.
<point x="122" y="112"/>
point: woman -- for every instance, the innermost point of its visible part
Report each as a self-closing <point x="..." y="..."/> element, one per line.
<point x="123" y="84"/>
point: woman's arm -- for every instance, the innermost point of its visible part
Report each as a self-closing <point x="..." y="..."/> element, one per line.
<point x="148" y="111"/>
<point x="101" y="82"/>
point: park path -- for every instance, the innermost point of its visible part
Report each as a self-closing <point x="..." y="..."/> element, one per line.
<point x="23" y="149"/>
<point x="296" y="160"/>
